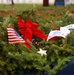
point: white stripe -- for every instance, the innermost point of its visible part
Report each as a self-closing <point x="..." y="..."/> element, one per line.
<point x="10" y="31"/>
<point x="16" y="39"/>
<point x="12" y="36"/>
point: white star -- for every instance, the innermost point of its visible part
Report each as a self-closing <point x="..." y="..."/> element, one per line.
<point x="42" y="52"/>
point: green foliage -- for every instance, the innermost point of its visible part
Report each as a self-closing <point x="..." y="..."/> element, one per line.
<point x="17" y="58"/>
<point x="58" y="53"/>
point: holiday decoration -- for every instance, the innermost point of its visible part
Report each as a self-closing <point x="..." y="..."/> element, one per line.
<point x="29" y="29"/>
<point x="63" y="32"/>
<point x="54" y="33"/>
<point x="14" y="37"/>
<point x="71" y="26"/>
<point x="42" y="52"/>
<point x="42" y="57"/>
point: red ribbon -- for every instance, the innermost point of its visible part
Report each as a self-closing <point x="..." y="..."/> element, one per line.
<point x="29" y="29"/>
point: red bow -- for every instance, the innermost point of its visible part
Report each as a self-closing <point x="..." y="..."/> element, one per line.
<point x="29" y="29"/>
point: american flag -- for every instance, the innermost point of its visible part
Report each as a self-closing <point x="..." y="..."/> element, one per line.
<point x="14" y="37"/>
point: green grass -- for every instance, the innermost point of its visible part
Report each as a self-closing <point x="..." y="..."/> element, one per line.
<point x="23" y="7"/>
<point x="18" y="7"/>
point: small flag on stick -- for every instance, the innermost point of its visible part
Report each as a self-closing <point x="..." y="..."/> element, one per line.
<point x="15" y="38"/>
